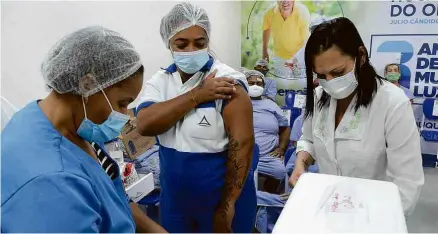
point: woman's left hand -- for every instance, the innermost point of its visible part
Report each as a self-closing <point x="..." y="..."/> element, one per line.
<point x="278" y="152"/>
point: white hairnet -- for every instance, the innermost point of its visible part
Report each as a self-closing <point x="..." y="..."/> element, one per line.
<point x="182" y="16"/>
<point x="262" y="62"/>
<point x="242" y="69"/>
<point x="249" y="73"/>
<point x="101" y="55"/>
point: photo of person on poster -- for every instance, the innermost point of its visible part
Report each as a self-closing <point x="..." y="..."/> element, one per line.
<point x="288" y="25"/>
<point x="275" y="32"/>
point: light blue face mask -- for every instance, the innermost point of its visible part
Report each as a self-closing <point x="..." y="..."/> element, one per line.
<point x="191" y="62"/>
<point x="107" y="131"/>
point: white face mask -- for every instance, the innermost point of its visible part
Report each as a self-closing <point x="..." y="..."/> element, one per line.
<point x="340" y="87"/>
<point x="255" y="91"/>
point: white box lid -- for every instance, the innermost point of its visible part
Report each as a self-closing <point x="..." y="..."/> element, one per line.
<point x="330" y="204"/>
<point x="141" y="187"/>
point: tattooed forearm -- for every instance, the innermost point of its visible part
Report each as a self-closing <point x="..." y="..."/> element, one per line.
<point x="238" y="164"/>
<point x="235" y="166"/>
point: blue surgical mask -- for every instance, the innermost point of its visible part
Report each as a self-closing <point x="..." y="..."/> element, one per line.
<point x="107" y="131"/>
<point x="191" y="62"/>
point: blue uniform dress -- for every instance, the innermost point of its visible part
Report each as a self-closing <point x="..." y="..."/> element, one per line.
<point x="51" y="185"/>
<point x="193" y="156"/>
<point x="268" y="117"/>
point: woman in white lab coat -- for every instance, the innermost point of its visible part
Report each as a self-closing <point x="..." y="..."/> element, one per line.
<point x="356" y="124"/>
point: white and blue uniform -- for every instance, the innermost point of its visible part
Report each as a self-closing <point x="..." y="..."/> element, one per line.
<point x="193" y="156"/>
<point x="51" y="185"/>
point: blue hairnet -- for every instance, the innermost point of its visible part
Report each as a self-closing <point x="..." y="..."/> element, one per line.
<point x="94" y="52"/>
<point x="182" y="16"/>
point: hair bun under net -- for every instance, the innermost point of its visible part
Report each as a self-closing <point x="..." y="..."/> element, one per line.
<point x="93" y="52"/>
<point x="182" y="16"/>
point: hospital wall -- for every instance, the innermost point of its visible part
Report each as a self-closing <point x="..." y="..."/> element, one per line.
<point x="30" y="29"/>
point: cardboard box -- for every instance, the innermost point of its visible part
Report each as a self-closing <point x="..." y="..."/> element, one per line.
<point x="134" y="143"/>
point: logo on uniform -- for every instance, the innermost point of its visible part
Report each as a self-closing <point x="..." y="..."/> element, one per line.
<point x="204" y="122"/>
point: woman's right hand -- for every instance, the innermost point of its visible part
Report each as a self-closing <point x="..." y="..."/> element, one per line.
<point x="299" y="169"/>
<point x="212" y="88"/>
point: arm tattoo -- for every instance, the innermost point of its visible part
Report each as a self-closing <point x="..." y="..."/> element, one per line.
<point x="235" y="166"/>
<point x="237" y="172"/>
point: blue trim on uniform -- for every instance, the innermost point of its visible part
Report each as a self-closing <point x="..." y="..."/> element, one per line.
<point x="143" y="105"/>
<point x="207" y="67"/>
<point x="211" y="104"/>
<point x="225" y="102"/>
<point x="243" y="85"/>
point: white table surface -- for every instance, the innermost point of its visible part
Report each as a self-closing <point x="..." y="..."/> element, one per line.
<point x="306" y="209"/>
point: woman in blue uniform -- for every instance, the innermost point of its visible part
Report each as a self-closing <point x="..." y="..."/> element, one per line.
<point x="55" y="176"/>
<point x="271" y="130"/>
<point x="204" y="126"/>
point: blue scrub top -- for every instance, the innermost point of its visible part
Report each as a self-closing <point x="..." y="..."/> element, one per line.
<point x="51" y="185"/>
<point x="267" y="117"/>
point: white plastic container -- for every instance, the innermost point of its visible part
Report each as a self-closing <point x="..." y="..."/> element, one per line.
<point x="332" y="204"/>
<point x="141" y="187"/>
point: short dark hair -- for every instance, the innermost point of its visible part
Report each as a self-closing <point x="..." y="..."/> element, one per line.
<point x="342" y="33"/>
<point x="392" y="64"/>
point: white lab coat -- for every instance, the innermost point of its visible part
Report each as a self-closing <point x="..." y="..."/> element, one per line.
<point x="380" y="142"/>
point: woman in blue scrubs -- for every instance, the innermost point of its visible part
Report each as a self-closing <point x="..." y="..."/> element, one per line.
<point x="55" y="176"/>
<point x="271" y="130"/>
<point x="203" y="122"/>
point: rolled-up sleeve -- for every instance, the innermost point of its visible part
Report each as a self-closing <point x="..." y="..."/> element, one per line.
<point x="150" y="93"/>
<point x="225" y="71"/>
<point x="404" y="155"/>
<point x="306" y="141"/>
